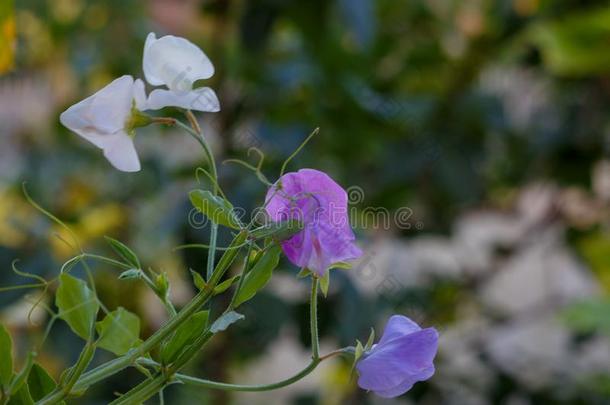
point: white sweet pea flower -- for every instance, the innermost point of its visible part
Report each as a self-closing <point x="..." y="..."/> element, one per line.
<point x="107" y="119"/>
<point x="178" y="63"/>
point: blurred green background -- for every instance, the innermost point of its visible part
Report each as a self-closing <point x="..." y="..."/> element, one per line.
<point x="483" y="126"/>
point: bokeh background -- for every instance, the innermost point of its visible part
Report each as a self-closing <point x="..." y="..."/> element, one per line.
<point x="483" y="127"/>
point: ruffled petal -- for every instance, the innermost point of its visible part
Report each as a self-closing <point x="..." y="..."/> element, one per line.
<point x="314" y="198"/>
<point x="390" y="364"/>
<point x="175" y="62"/>
<point x="406" y="385"/>
<point x="201" y="99"/>
<point x="121" y="153"/>
<point x="111" y="106"/>
<point x="397" y="326"/>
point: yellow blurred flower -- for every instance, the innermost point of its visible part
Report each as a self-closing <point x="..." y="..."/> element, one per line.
<point x="7" y="36"/>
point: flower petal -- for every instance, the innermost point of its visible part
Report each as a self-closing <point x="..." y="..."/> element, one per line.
<point x="388" y="365"/>
<point x="201" y="99"/>
<point x="314" y="198"/>
<point x="397" y="326"/>
<point x="104" y="112"/>
<point x="121" y="153"/>
<point x="175" y="62"/>
<point x="406" y="385"/>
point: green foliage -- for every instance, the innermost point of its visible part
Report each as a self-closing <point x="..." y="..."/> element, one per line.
<point x="119" y="331"/>
<point x="77" y="304"/>
<point x="589" y="316"/>
<point x="184" y="336"/>
<point x="6" y="357"/>
<point x="576" y="45"/>
<point x="217" y="209"/>
<point x="40" y="383"/>
<point x="259" y="275"/>
<point x="124" y="252"/>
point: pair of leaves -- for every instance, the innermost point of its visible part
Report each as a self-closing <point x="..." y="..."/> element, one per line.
<point x="118" y="331"/>
<point x="217" y="209"/>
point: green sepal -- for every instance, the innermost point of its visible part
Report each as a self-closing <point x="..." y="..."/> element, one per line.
<point x="325" y="283"/>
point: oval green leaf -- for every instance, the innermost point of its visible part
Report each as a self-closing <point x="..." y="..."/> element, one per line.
<point x="77" y="304"/>
<point x="119" y="331"/>
<point x="6" y="357"/>
<point x="216" y="208"/>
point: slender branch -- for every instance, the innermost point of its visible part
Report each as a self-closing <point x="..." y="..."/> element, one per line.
<point x="240" y="283"/>
<point x="198" y="382"/>
<point x="313" y="319"/>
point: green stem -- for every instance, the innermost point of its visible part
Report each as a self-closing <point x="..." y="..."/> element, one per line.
<point x="141" y="392"/>
<point x="241" y="279"/>
<point x="212" y="250"/>
<point x="206" y="148"/>
<point x="64" y="390"/>
<point x="118" y="364"/>
<point x="198" y="382"/>
<point x="313" y="319"/>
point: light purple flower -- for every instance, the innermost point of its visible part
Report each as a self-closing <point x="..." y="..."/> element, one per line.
<point x="403" y="356"/>
<point x="312" y="197"/>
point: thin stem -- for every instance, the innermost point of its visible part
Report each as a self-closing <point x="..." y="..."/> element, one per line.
<point x="206" y="148"/>
<point x="313" y="319"/>
<point x="240" y="283"/>
<point x="212" y="250"/>
<point x="198" y="382"/>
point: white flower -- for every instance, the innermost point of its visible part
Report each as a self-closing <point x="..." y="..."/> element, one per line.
<point x="178" y="63"/>
<point x="105" y="118"/>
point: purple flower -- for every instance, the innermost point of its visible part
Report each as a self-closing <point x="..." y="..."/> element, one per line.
<point x="402" y="357"/>
<point x="315" y="199"/>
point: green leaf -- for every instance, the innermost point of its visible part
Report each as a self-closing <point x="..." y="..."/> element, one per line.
<point x="588" y="316"/>
<point x="260" y="274"/>
<point x="198" y="280"/>
<point x="219" y="210"/>
<point x="77" y="304"/>
<point x="6" y="357"/>
<point x="575" y="45"/>
<point x="225" y="321"/>
<point x="280" y="230"/>
<point x="119" y="331"/>
<point x="222" y="287"/>
<point x="126" y="253"/>
<point x="325" y="283"/>
<point x="184" y="336"/>
<point x="131" y="274"/>
<point x="20" y="377"/>
<point x="21" y="397"/>
<point x="40" y="383"/>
